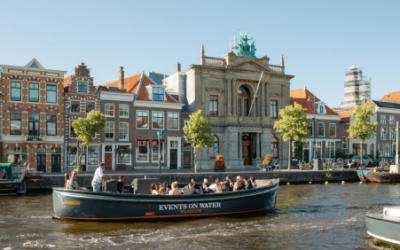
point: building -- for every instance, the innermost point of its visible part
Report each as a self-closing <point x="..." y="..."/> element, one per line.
<point x="391" y="97"/>
<point x="241" y="117"/>
<point x="80" y="98"/>
<point x="355" y="88"/>
<point x="324" y="126"/>
<point x="32" y="128"/>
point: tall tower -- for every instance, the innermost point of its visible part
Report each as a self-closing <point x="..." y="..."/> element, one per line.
<point x="355" y="87"/>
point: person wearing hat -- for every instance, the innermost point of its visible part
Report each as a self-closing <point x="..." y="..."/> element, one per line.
<point x="277" y="166"/>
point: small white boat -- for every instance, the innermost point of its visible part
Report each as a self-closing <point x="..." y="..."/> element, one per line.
<point x="385" y="226"/>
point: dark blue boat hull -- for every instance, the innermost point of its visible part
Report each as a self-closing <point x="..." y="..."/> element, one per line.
<point x="81" y="205"/>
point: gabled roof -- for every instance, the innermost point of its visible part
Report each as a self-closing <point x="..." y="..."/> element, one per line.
<point x="306" y="99"/>
<point x="68" y="80"/>
<point x="391" y="97"/>
<point x="344" y="113"/>
<point x="156" y="77"/>
<point x="391" y="105"/>
<point x="131" y="83"/>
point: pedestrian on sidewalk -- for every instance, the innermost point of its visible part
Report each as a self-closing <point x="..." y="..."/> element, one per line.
<point x="277" y="166"/>
<point x="99" y="177"/>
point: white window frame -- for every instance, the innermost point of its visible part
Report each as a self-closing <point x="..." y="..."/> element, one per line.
<point x="106" y="109"/>
<point x="152" y="117"/>
<point x="119" y="111"/>
<point x="94" y="109"/>
<point x="318" y="129"/>
<point x="392" y="133"/>
<point x="70" y="106"/>
<point x="109" y="139"/>
<point x="312" y="129"/>
<point x="148" y="119"/>
<point x="87" y="154"/>
<point x="54" y="84"/>
<point x="29" y="94"/>
<point x="175" y="129"/>
<point x="329" y="149"/>
<point x="163" y="149"/>
<point x="383" y="137"/>
<point x="77" y="87"/>
<point x="330" y="129"/>
<point x="137" y="149"/>
<point x="383" y="121"/>
<point x="391" y="119"/>
<point x="20" y="91"/>
<point x="119" y="131"/>
<point x="130" y="155"/>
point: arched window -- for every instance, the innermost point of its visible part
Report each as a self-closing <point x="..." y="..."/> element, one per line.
<point x="243" y="101"/>
<point x="275" y="147"/>
<point x="214" y="150"/>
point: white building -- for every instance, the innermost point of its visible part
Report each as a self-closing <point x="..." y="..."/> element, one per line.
<point x="355" y="88"/>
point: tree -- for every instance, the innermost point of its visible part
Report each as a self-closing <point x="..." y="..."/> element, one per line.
<point x="362" y="128"/>
<point x="85" y="128"/>
<point x="292" y="125"/>
<point x="198" y="133"/>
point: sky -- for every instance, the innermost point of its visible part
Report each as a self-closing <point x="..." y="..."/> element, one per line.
<point x="319" y="40"/>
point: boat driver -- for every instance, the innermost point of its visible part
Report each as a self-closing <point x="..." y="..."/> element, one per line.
<point x="98" y="177"/>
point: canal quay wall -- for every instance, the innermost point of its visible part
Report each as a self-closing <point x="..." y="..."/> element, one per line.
<point x="293" y="177"/>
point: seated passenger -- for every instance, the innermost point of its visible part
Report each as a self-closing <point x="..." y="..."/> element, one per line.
<point x="153" y="189"/>
<point x="225" y="186"/>
<point x="73" y="183"/>
<point x="191" y="189"/>
<point x="206" y="189"/>
<point x="165" y="188"/>
<point x="253" y="182"/>
<point x="237" y="179"/>
<point x="240" y="185"/>
<point x="132" y="188"/>
<point x="120" y="184"/>
<point x="67" y="176"/>
<point x="248" y="185"/>
<point x="217" y="187"/>
<point x="175" y="189"/>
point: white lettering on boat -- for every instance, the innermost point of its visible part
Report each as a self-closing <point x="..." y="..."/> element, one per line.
<point x="190" y="206"/>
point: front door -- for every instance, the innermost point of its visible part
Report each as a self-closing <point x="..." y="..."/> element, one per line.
<point x="247" y="149"/>
<point x="306" y="155"/>
<point x="83" y="162"/>
<point x="41" y="162"/>
<point x="173" y="158"/>
<point x="108" y="161"/>
<point x="186" y="159"/>
<point x="55" y="163"/>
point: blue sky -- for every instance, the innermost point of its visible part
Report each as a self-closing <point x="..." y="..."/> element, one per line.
<point x="320" y="40"/>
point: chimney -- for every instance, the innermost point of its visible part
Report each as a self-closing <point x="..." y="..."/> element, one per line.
<point x="121" y="78"/>
<point x="178" y="67"/>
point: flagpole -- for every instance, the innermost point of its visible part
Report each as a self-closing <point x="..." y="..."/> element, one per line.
<point x="255" y="94"/>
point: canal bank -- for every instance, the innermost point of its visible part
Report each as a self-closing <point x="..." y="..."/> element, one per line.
<point x="293" y="177"/>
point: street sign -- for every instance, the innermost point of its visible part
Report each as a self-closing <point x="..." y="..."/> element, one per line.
<point x="160" y="133"/>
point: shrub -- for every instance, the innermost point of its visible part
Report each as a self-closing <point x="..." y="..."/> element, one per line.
<point x="267" y="159"/>
<point x="219" y="163"/>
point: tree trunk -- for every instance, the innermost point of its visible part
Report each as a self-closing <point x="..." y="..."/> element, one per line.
<point x="361" y="145"/>
<point x="195" y="162"/>
<point x="79" y="169"/>
<point x="290" y="155"/>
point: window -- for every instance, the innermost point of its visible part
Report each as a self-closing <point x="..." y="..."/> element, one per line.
<point x="155" y="150"/>
<point x="173" y="121"/>
<point x="51" y="93"/>
<point x="109" y="109"/>
<point x="75" y="106"/>
<point x="142" y="151"/>
<point x="72" y="132"/>
<point x="51" y="124"/>
<point x="18" y="156"/>
<point x="392" y="133"/>
<point x="214" y="150"/>
<point x="243" y="101"/>
<point x="274" y="109"/>
<point x="332" y="130"/>
<point x="383" y="119"/>
<point x="317" y="150"/>
<point x="33" y="92"/>
<point x="124" y="111"/>
<point x="158" y="120"/>
<point x="391" y="119"/>
<point x="141" y="119"/>
<point x="330" y="150"/>
<point x="15" y="128"/>
<point x="158" y="94"/>
<point x="123" y="131"/>
<point x="34" y="124"/>
<point x="213" y="105"/>
<point x="345" y="143"/>
<point x="82" y="87"/>
<point x="357" y="149"/>
<point x="124" y="158"/>
<point x="274" y="147"/>
<point x="90" y="106"/>
<point x="310" y="129"/>
<point x="321" y="129"/>
<point x="15" y="91"/>
<point x="321" y="109"/>
<point x="109" y="131"/>
<point x="72" y="159"/>
<point x="381" y="150"/>
<point x="383" y="133"/>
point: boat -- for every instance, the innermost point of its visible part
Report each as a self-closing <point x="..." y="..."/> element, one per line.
<point x="88" y="205"/>
<point x="386" y="226"/>
<point x="379" y="176"/>
<point x="9" y="184"/>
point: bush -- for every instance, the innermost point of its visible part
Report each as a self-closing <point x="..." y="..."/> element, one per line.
<point x="219" y="163"/>
<point x="267" y="159"/>
<point x="340" y="153"/>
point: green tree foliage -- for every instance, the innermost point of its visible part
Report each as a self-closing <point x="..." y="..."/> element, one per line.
<point x="299" y="152"/>
<point x="198" y="133"/>
<point x="85" y="128"/>
<point x="362" y="128"/>
<point x="292" y="125"/>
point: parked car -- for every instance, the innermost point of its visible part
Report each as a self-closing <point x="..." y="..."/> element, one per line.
<point x="388" y="159"/>
<point x="367" y="161"/>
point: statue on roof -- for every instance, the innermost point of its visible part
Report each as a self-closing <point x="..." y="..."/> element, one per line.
<point x="243" y="48"/>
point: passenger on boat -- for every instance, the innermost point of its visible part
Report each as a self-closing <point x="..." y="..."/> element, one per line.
<point x="67" y="176"/>
<point x="229" y="183"/>
<point x="205" y="180"/>
<point x="132" y="188"/>
<point x="193" y="181"/>
<point x="98" y="177"/>
<point x="206" y="189"/>
<point x="237" y="179"/>
<point x="73" y="183"/>
<point x="253" y="182"/>
<point x="153" y="189"/>
<point x="165" y="188"/>
<point x="217" y="187"/>
<point x="120" y="184"/>
<point x="240" y="185"/>
<point x="175" y="189"/>
<point x="191" y="189"/>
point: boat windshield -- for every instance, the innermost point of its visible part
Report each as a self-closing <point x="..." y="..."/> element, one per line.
<point x="3" y="174"/>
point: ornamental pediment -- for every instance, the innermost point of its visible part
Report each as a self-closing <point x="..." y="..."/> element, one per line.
<point x="248" y="65"/>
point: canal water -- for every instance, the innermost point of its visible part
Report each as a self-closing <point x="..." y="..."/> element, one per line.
<point x="308" y="216"/>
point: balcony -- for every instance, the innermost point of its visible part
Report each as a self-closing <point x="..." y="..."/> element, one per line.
<point x="33" y="138"/>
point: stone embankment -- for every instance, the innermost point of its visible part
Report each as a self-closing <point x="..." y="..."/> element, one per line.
<point x="293" y="177"/>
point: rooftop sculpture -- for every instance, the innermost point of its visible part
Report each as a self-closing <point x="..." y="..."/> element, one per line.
<point x="243" y="48"/>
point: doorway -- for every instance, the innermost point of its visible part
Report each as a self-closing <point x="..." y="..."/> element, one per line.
<point x="108" y="161"/>
<point x="173" y="158"/>
<point x="247" y="148"/>
<point x="55" y="162"/>
<point x="41" y="159"/>
<point x="83" y="162"/>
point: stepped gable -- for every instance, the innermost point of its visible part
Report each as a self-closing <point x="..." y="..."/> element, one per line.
<point x="391" y="97"/>
<point x="302" y="95"/>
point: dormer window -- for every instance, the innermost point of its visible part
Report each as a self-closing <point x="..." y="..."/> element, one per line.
<point x="320" y="107"/>
<point x="158" y="94"/>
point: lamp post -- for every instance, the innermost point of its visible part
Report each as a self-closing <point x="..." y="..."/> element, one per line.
<point x="397" y="143"/>
<point x="159" y="134"/>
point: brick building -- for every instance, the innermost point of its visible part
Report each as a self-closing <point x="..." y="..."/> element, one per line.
<point x="32" y="128"/>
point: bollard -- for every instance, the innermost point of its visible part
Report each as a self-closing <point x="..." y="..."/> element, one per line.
<point x="326" y="182"/>
<point x="343" y="182"/>
<point x="288" y="183"/>
<point x="309" y="182"/>
<point x="361" y="182"/>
